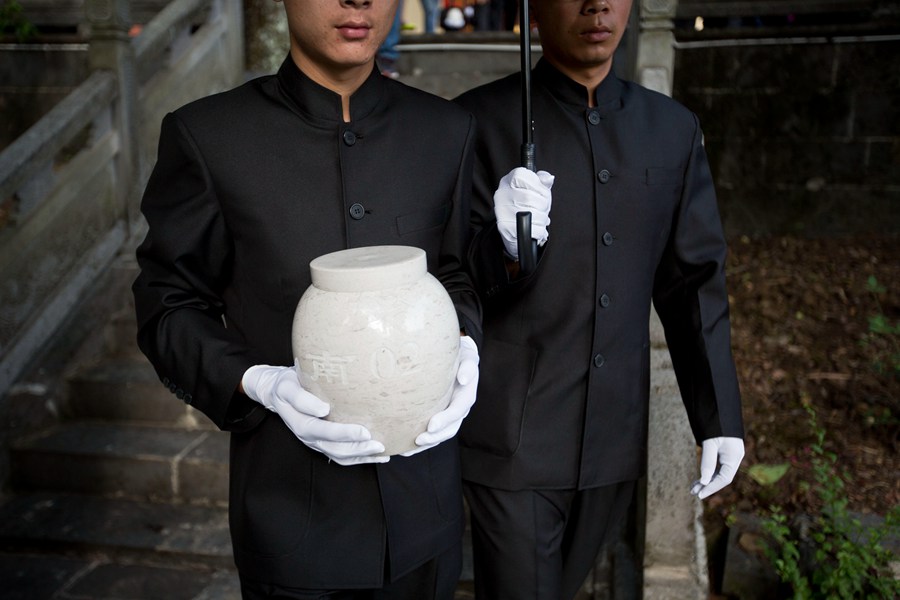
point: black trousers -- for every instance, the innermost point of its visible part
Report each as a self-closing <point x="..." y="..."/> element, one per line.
<point x="437" y="579"/>
<point x="540" y="544"/>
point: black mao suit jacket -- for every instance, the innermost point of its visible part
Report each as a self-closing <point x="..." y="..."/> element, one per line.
<point x="564" y="386"/>
<point x="250" y="185"/>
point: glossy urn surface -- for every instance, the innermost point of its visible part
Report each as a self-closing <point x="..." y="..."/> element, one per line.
<point x="377" y="337"/>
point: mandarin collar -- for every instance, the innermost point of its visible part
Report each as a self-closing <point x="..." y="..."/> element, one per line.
<point x="322" y="103"/>
<point x="608" y="95"/>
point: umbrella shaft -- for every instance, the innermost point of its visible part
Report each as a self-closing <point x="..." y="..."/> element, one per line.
<point x="525" y="46"/>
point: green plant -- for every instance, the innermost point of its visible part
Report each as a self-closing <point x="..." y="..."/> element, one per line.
<point x="836" y="557"/>
<point x="12" y="20"/>
<point x="883" y="333"/>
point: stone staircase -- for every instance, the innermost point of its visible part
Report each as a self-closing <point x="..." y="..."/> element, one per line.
<point x="123" y="496"/>
<point x="121" y="490"/>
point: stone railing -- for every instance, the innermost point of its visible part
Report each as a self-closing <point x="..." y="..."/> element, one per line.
<point x="64" y="15"/>
<point x="70" y="185"/>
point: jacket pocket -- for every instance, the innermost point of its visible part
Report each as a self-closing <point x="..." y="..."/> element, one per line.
<point x="422" y="219"/>
<point x="663" y="176"/>
<point x="497" y="418"/>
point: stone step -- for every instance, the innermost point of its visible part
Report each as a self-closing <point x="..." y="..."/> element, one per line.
<point x="167" y="534"/>
<point x="121" y="334"/>
<point x="127" y="388"/>
<point x="139" y="461"/>
<point x="54" y="577"/>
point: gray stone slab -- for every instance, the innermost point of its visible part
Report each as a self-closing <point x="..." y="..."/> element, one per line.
<point x="56" y="577"/>
<point x="203" y="472"/>
<point x="184" y="533"/>
<point x="114" y="439"/>
<point x="140" y="582"/>
<point x="126" y="388"/>
<point x="113" y="458"/>
<point x="120" y="333"/>
<point x="672" y="583"/>
<point x="212" y="447"/>
<point x="35" y="577"/>
<point x="225" y="585"/>
<point x="85" y="474"/>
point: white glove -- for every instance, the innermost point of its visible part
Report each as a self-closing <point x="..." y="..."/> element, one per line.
<point x="727" y="452"/>
<point x="445" y="424"/>
<point x="279" y="390"/>
<point x="520" y="190"/>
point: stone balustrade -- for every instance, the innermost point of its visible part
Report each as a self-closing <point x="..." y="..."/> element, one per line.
<point x="70" y="185"/>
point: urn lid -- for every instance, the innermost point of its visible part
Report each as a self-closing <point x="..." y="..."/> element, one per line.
<point x="368" y="268"/>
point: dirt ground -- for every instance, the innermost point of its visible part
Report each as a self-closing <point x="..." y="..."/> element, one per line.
<point x="817" y="322"/>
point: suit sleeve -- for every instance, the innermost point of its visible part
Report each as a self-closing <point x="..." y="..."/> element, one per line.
<point x="692" y="302"/>
<point x="452" y="271"/>
<point x="486" y="258"/>
<point x="185" y="264"/>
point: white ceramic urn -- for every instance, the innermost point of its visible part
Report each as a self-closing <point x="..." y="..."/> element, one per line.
<point x="377" y="337"/>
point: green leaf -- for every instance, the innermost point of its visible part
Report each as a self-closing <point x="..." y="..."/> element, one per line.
<point x="768" y="474"/>
<point x="881" y="324"/>
<point x="873" y="286"/>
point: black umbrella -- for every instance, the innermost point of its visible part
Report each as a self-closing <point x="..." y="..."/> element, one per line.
<point x="527" y="245"/>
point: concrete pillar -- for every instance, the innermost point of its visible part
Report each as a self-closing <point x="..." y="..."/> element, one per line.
<point x="674" y="543"/>
<point x="656" y="45"/>
<point x="266" y="37"/>
<point x="675" y="563"/>
<point x="111" y="50"/>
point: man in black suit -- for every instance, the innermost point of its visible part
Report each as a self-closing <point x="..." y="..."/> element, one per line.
<point x="553" y="448"/>
<point x="252" y="184"/>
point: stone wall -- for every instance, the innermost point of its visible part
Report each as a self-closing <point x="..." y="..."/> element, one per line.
<point x="803" y="134"/>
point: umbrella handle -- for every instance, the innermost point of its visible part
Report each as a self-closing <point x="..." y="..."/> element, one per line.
<point x="527" y="156"/>
<point x="527" y="246"/>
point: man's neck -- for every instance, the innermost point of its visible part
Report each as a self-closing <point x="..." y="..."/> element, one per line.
<point x="589" y="77"/>
<point x="343" y="83"/>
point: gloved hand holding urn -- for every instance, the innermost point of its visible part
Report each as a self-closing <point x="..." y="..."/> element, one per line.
<point x="445" y="424"/>
<point x="523" y="190"/>
<point x="279" y="390"/>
